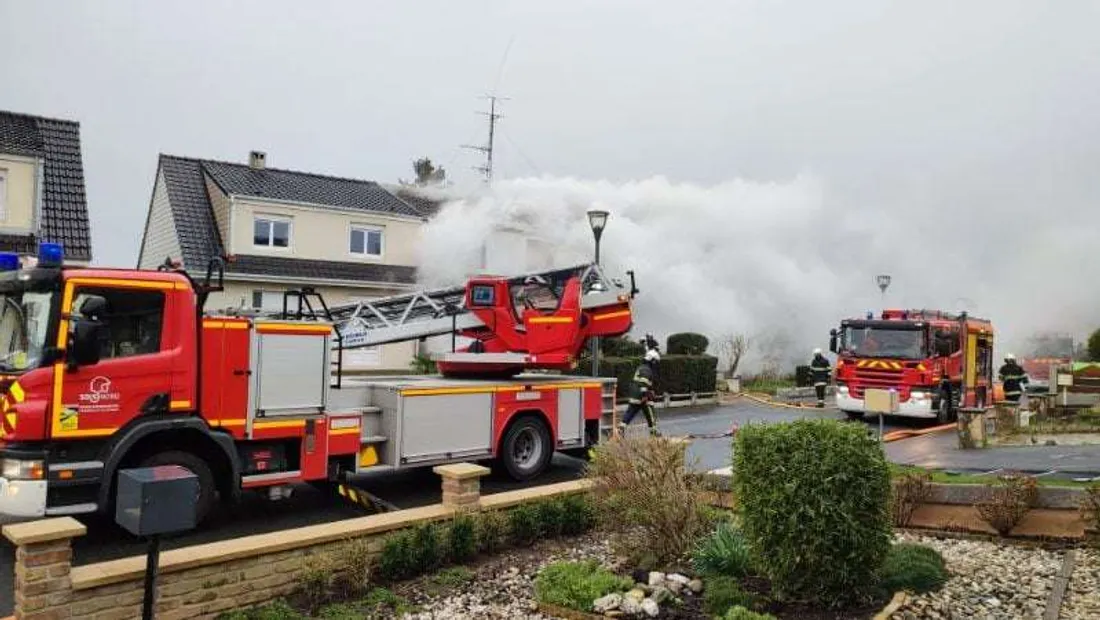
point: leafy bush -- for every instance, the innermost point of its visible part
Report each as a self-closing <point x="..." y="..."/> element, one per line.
<point x="909" y="491"/>
<point x="678" y="374"/>
<point x="740" y="613"/>
<point x="724" y="552"/>
<point x="383" y="602"/>
<point x="687" y="343"/>
<point x="523" y="524"/>
<point x="492" y="531"/>
<point x="453" y="577"/>
<point x="642" y="482"/>
<point x="461" y="538"/>
<point x="814" y="498"/>
<point x="1090" y="507"/>
<point x="316" y="580"/>
<point x="576" y="584"/>
<point x="722" y="593"/>
<point x="398" y="559"/>
<point x="355" y="563"/>
<point x="422" y="365"/>
<point x="914" y="568"/>
<point x="578" y="514"/>
<point x="1009" y="500"/>
<point x="621" y="347"/>
<point x="427" y="549"/>
<point x="551" y="518"/>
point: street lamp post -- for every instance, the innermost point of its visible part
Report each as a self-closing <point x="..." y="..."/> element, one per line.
<point x="597" y="220"/>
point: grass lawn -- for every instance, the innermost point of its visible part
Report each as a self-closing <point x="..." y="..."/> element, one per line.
<point x="943" y="477"/>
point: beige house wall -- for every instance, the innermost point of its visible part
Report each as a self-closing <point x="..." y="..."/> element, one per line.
<point x="323" y="234"/>
<point x="20" y="189"/>
<point x="161" y="240"/>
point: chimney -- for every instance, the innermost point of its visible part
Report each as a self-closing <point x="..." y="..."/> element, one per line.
<point x="256" y="160"/>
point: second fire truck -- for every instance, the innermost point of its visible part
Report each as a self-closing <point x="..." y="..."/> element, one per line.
<point x="936" y="361"/>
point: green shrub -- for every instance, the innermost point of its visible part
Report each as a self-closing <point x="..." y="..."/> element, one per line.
<point x="687" y="343"/>
<point x="578" y="514"/>
<point x="383" y="602"/>
<point x="398" y="558"/>
<point x="427" y="548"/>
<point x="461" y="538"/>
<point x="551" y="518"/>
<point x="354" y="561"/>
<point x="724" y="552"/>
<point x="278" y="610"/>
<point x="914" y="568"/>
<point x="523" y="524"/>
<point x="453" y="577"/>
<point x="621" y="347"/>
<point x="576" y="584"/>
<point x="643" y="492"/>
<point x="740" y="613"/>
<point x="316" y="580"/>
<point x="721" y="593"/>
<point x="492" y="531"/>
<point x="677" y="374"/>
<point x="815" y="505"/>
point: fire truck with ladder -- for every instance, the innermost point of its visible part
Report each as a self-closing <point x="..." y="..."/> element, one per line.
<point x="936" y="361"/>
<point x="103" y="370"/>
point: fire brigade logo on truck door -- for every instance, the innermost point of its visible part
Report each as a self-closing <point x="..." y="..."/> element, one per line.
<point x="100" y="396"/>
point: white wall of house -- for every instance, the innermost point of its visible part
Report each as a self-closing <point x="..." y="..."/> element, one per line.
<point x="161" y="240"/>
<point x="388" y="357"/>
<point x="322" y="234"/>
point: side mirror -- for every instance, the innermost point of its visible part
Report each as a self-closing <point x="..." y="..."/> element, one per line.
<point x="832" y="340"/>
<point x="85" y="347"/>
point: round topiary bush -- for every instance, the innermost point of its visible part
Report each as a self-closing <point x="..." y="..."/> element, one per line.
<point x="687" y="343"/>
<point x="814" y="496"/>
<point x="913" y="568"/>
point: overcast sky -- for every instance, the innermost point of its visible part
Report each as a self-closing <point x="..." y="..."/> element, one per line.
<point x="963" y="136"/>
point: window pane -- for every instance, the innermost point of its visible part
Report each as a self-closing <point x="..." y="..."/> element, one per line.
<point x="133" y="321"/>
<point x="374" y="242"/>
<point x="281" y="234"/>
<point x="257" y="299"/>
<point x="356" y="241"/>
<point x="261" y="232"/>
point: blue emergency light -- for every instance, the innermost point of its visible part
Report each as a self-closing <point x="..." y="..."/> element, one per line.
<point x="9" y="261"/>
<point x="50" y="254"/>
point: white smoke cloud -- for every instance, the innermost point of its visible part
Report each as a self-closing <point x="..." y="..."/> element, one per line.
<point x="766" y="258"/>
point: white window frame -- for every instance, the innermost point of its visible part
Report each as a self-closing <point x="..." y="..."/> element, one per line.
<point x="273" y="219"/>
<point x="3" y="194"/>
<point x="368" y="228"/>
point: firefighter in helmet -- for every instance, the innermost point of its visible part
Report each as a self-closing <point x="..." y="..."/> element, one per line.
<point x="641" y="392"/>
<point x="820" y="369"/>
<point x="1013" y="377"/>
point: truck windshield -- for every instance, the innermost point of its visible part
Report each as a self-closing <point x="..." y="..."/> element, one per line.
<point x="24" y="318"/>
<point x="882" y="342"/>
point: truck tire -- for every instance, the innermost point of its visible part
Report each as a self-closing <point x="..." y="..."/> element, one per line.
<point x="208" y="490"/>
<point x="526" y="449"/>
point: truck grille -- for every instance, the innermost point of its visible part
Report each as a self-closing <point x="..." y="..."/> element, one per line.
<point x="876" y="378"/>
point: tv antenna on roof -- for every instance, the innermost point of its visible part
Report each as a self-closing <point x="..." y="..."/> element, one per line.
<point x="883" y="282"/>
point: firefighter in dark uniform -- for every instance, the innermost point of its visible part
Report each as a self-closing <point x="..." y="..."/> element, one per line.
<point x="1013" y="377"/>
<point x="821" y="369"/>
<point x="641" y="392"/>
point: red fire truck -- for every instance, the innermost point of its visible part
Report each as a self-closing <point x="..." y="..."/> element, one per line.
<point x="108" y="369"/>
<point x="937" y="361"/>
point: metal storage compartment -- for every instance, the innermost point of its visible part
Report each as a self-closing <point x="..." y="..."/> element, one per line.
<point x="290" y="374"/>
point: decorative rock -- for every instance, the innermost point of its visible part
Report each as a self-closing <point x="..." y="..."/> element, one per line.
<point x="631" y="606"/>
<point x="650" y="607"/>
<point x="607" y="603"/>
<point x="677" y="577"/>
<point x="636" y="594"/>
<point x="656" y="578"/>
<point x="696" y="585"/>
<point x="661" y="595"/>
<point x="675" y="586"/>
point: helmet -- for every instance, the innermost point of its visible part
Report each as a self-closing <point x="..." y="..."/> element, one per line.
<point x="817" y="351"/>
<point x="652" y="356"/>
<point x="1010" y="357"/>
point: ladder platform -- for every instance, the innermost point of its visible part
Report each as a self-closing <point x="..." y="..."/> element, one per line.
<point x="373" y="439"/>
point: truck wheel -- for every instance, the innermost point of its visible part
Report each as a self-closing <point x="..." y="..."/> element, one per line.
<point x="526" y="449"/>
<point x="208" y="490"/>
<point x="946" y="412"/>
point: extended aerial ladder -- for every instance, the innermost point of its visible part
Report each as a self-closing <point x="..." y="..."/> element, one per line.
<point x="560" y="309"/>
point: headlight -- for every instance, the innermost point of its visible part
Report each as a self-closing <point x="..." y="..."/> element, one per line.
<point x="843" y="389"/>
<point x="16" y="469"/>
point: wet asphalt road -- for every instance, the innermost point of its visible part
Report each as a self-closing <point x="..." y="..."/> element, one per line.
<point x="309" y="506"/>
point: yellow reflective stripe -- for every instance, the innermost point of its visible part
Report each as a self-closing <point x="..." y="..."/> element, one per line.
<point x="344" y="431"/>
<point x="551" y="319"/>
<point x="17" y="392"/>
<point x="283" y="327"/>
<point x="230" y="422"/>
<point x="279" y="424"/>
<point x="488" y="389"/>
<point x="611" y="315"/>
<point x="179" y="404"/>
<point x="224" y="325"/>
<point x="120" y="283"/>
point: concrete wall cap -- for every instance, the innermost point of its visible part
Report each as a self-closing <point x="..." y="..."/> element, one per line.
<point x="45" y="530"/>
<point x="461" y="471"/>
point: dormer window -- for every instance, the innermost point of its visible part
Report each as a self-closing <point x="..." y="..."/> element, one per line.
<point x="271" y="232"/>
<point x="366" y="241"/>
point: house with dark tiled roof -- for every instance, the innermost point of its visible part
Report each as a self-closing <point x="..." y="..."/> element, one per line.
<point x="42" y="187"/>
<point x="277" y="230"/>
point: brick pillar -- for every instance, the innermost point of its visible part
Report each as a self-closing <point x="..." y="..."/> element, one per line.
<point x="461" y="485"/>
<point x="43" y="561"/>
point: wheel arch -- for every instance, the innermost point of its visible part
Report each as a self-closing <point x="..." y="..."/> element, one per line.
<point x="521" y="414"/>
<point x="148" y="436"/>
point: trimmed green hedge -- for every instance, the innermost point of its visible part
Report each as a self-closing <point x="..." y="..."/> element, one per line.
<point x="687" y="343"/>
<point x="677" y="374"/>
<point x="620" y="347"/>
<point x="814" y="498"/>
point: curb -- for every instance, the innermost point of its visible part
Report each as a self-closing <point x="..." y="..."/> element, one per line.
<point x="1058" y="592"/>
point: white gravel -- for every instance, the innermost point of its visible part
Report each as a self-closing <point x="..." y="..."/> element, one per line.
<point x="1082" y="600"/>
<point x="506" y="590"/>
<point x="989" y="581"/>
